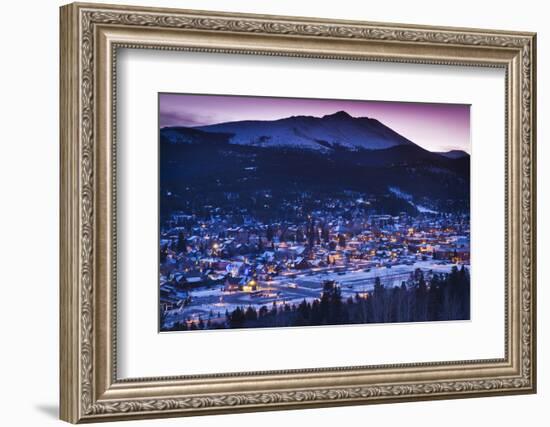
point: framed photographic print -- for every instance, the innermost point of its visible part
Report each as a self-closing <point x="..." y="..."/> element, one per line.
<point x="263" y="212"/>
<point x="294" y="212"/>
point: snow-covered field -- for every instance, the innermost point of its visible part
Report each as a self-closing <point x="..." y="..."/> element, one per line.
<point x="214" y="302"/>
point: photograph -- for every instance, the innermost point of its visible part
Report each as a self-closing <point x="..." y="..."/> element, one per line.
<point x="277" y="212"/>
<point x="267" y="210"/>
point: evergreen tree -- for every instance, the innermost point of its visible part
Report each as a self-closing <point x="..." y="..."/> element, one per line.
<point x="237" y="318"/>
<point x="325" y="233"/>
<point x="251" y="314"/>
<point x="342" y="240"/>
<point x="260" y="246"/>
<point x="182" y="243"/>
<point x="303" y="313"/>
<point x="282" y="237"/>
<point x="421" y="300"/>
<point x="434" y="300"/>
<point x="269" y="233"/>
<point x="337" y="314"/>
<point x="311" y="233"/>
<point x="263" y="311"/>
<point x="378" y="301"/>
<point x="394" y="304"/>
<point x="404" y="305"/>
<point x="316" y="312"/>
<point x="464" y="292"/>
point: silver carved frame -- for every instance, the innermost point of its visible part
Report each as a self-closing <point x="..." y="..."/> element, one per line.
<point x="90" y="36"/>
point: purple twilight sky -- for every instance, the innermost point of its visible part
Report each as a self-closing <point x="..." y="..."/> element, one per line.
<point x="435" y="127"/>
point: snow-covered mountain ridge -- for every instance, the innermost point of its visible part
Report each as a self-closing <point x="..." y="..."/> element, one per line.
<point x="338" y="130"/>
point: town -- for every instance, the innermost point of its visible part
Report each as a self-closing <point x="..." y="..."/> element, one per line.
<point x="219" y="263"/>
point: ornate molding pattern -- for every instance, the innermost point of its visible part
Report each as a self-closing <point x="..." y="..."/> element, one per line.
<point x="324" y="395"/>
<point x="527" y="244"/>
<point x="247" y="25"/>
<point x="86" y="211"/>
<point x="90" y="18"/>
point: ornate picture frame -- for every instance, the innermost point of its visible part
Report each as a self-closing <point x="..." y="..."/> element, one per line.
<point x="90" y="37"/>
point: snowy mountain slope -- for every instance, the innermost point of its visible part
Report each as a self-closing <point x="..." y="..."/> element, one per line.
<point x="185" y="135"/>
<point x="338" y="130"/>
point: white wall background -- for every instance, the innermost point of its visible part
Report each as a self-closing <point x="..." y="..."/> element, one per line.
<point x="29" y="170"/>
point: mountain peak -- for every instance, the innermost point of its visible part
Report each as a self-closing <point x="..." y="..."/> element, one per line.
<point x="454" y="154"/>
<point x="338" y="130"/>
<point x="338" y="115"/>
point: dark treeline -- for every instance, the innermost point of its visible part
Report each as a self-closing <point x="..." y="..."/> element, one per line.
<point x="444" y="297"/>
